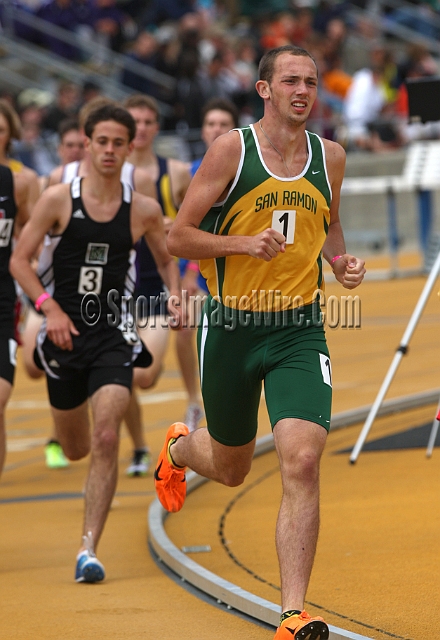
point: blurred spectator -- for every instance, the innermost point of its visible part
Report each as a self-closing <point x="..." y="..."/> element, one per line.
<point x="160" y="11"/>
<point x="218" y="116"/>
<point x="335" y="38"/>
<point x="355" y="53"/>
<point x="84" y="28"/>
<point x="422" y="17"/>
<point x="246" y="70"/>
<point x="109" y="22"/>
<point x="90" y="91"/>
<point x="59" y="13"/>
<point x="190" y="91"/>
<point x="70" y="148"/>
<point x="66" y="104"/>
<point x="7" y="96"/>
<point x="258" y="9"/>
<point x="102" y="27"/>
<point x="10" y="131"/>
<point x="33" y="96"/>
<point x="143" y="51"/>
<point x="277" y="30"/>
<point x="168" y="49"/>
<point x="335" y="82"/>
<point x="71" y="141"/>
<point x="218" y="80"/>
<point x="367" y="109"/>
<point x="32" y="150"/>
<point x="245" y="64"/>
<point x="303" y="27"/>
<point x="326" y="11"/>
<point x="288" y="27"/>
<point x="419" y="64"/>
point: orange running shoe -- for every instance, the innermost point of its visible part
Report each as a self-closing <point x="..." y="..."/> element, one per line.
<point x="302" y="627"/>
<point x="169" y="480"/>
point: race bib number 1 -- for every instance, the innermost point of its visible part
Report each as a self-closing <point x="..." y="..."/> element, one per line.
<point x="326" y="369"/>
<point x="284" y="222"/>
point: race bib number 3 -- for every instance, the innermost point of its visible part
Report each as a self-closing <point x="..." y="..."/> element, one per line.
<point x="90" y="280"/>
<point x="284" y="222"/>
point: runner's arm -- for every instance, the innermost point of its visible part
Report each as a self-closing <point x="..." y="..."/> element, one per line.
<point x="348" y="269"/>
<point x="45" y="216"/>
<point x="209" y="186"/>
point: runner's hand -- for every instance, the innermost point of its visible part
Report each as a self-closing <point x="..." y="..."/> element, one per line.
<point x="267" y="245"/>
<point x="349" y="271"/>
<point x="59" y="326"/>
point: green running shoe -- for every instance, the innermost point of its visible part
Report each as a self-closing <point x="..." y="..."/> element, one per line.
<point x="55" y="458"/>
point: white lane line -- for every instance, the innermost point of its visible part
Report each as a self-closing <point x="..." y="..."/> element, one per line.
<point x="24" y="444"/>
<point x="144" y="398"/>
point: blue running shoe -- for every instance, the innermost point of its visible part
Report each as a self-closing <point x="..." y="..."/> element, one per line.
<point x="88" y="567"/>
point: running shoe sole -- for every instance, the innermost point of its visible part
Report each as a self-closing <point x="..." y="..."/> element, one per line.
<point x="315" y="630"/>
<point x="90" y="571"/>
<point x="170" y="482"/>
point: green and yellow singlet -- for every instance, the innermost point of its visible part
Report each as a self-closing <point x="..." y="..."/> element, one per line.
<point x="297" y="207"/>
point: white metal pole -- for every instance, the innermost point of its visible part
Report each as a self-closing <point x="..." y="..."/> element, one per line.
<point x="401" y="351"/>
<point x="433" y="435"/>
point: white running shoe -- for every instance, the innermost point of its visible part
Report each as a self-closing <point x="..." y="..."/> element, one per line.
<point x="140" y="463"/>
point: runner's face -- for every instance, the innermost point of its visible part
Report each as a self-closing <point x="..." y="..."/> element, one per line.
<point x="147" y="126"/>
<point x="216" y="123"/>
<point x="109" y="147"/>
<point x="293" y="87"/>
<point x="71" y="148"/>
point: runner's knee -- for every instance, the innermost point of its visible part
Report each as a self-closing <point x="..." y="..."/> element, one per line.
<point x="76" y="450"/>
<point x="105" y="440"/>
<point x="302" y="465"/>
<point x="233" y="475"/>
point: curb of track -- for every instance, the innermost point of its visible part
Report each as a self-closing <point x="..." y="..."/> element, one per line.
<point x="226" y="592"/>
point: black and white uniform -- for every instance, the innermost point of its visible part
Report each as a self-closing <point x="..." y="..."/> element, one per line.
<point x="8" y="209"/>
<point x="87" y="270"/>
<point x="71" y="171"/>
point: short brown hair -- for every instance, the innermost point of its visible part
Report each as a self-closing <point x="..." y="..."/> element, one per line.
<point x="142" y="101"/>
<point x="267" y="62"/>
<point x="110" y="112"/>
<point x="222" y="104"/>
<point x="11" y="117"/>
<point x="66" y="125"/>
<point x="91" y="105"/>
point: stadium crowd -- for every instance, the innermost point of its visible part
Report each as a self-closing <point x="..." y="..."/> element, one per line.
<point x="212" y="49"/>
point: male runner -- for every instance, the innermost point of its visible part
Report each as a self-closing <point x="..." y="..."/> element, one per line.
<point x="88" y="343"/>
<point x="14" y="196"/>
<point x="260" y="213"/>
<point x="140" y="181"/>
<point x="70" y="149"/>
<point x="219" y="116"/>
<point x="172" y="178"/>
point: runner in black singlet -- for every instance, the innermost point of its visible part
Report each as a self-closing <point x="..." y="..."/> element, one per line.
<point x="13" y="215"/>
<point x="88" y="342"/>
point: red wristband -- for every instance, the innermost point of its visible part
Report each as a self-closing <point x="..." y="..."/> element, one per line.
<point x="193" y="266"/>
<point x="39" y="301"/>
<point x="333" y="260"/>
